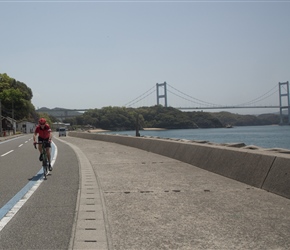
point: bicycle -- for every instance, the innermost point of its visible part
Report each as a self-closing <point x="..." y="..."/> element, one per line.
<point x="44" y="158"/>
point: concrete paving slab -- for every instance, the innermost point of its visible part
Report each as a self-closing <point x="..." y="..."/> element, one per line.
<point x="154" y="202"/>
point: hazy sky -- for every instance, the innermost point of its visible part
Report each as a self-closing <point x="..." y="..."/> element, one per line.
<point x="91" y="54"/>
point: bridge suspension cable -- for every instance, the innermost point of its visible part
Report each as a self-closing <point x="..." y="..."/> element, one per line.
<point x="174" y="91"/>
<point x="192" y="99"/>
<point x="261" y="98"/>
<point x="266" y="95"/>
<point x="141" y="97"/>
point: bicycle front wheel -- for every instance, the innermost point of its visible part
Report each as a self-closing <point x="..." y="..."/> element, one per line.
<point x="45" y="165"/>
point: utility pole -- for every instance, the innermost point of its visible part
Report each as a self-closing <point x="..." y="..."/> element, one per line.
<point x="137" y="125"/>
<point x="12" y="110"/>
<point x="13" y="123"/>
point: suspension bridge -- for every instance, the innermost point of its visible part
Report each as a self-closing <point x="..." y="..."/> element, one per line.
<point x="161" y="91"/>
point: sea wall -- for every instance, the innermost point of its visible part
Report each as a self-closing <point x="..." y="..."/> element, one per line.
<point x="268" y="169"/>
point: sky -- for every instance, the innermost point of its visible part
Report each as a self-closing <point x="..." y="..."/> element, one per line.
<point x="93" y="54"/>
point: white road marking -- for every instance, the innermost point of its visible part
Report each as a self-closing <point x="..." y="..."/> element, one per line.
<point x="18" y="205"/>
<point x="20" y="145"/>
<point x="21" y="199"/>
<point x="8" y="152"/>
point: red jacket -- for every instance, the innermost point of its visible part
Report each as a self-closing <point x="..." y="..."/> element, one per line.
<point x="43" y="133"/>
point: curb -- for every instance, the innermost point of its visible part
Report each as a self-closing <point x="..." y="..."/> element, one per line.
<point x="89" y="230"/>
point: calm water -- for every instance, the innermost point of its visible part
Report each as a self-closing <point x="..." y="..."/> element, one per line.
<point x="262" y="136"/>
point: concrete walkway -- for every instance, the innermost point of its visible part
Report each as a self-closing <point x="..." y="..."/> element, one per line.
<point x="133" y="199"/>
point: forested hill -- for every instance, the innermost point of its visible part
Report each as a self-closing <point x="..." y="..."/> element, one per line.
<point x="121" y="118"/>
<point x="247" y="120"/>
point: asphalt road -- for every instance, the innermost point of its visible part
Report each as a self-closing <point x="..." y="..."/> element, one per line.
<point x="45" y="221"/>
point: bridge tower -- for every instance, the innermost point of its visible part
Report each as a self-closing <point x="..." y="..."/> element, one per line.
<point x="159" y="96"/>
<point x="282" y="104"/>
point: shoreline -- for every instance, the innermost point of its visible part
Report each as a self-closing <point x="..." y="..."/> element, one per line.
<point x="103" y="130"/>
<point x="147" y="129"/>
<point x="97" y="130"/>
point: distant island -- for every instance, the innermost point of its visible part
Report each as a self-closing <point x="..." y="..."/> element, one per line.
<point x="122" y="118"/>
<point x="59" y="112"/>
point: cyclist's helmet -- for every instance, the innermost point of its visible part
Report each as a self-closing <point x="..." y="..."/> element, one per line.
<point x="42" y="121"/>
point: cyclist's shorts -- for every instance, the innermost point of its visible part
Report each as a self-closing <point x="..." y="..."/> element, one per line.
<point x="47" y="145"/>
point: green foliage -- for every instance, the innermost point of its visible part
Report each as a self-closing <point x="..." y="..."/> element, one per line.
<point x="112" y="118"/>
<point x="121" y="118"/>
<point x="268" y="119"/>
<point x="16" y="98"/>
<point x="72" y="121"/>
<point x="165" y="117"/>
<point x="246" y="120"/>
<point x="205" y="120"/>
<point x="48" y="118"/>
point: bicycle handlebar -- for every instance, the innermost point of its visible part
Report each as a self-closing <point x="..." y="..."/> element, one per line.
<point x="42" y="143"/>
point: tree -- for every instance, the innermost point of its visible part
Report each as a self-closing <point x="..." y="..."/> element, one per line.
<point x="46" y="117"/>
<point x="16" y="99"/>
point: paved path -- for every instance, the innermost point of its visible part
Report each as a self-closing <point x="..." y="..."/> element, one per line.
<point x="141" y="200"/>
<point x="45" y="220"/>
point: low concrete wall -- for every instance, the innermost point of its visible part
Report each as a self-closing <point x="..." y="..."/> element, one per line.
<point x="261" y="168"/>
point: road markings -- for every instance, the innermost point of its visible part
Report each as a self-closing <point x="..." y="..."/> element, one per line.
<point x="8" y="211"/>
<point x="7" y="153"/>
<point x="20" y="145"/>
<point x="13" y="206"/>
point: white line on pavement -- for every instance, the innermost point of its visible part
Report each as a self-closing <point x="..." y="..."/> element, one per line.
<point x="12" y="207"/>
<point x="8" y="152"/>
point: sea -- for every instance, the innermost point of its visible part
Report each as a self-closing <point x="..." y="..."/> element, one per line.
<point x="273" y="136"/>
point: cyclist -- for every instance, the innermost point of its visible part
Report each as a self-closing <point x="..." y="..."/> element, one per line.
<point x="44" y="134"/>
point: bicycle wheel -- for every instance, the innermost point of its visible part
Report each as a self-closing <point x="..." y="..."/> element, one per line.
<point x="44" y="165"/>
<point x="44" y="172"/>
